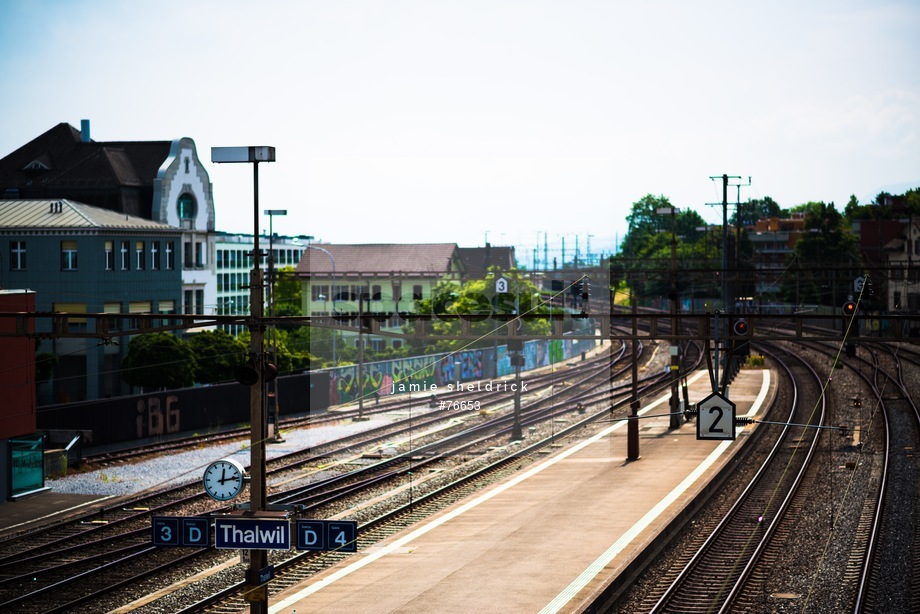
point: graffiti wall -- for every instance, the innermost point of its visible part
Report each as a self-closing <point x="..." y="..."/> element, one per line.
<point x="417" y="375"/>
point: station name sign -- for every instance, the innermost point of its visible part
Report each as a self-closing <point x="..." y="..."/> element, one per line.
<point x="252" y="534"/>
<point x="255" y="533"/>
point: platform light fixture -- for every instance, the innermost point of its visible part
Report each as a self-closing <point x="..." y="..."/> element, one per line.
<point x="242" y="154"/>
<point x="276" y="401"/>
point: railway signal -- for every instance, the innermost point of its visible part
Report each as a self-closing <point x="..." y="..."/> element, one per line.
<point x="849" y="308"/>
<point x="740" y="328"/>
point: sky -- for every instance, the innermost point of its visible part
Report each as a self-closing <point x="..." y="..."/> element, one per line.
<point x="526" y="123"/>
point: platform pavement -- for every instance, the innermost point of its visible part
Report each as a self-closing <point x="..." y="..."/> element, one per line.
<point x="43" y="507"/>
<point x="549" y="539"/>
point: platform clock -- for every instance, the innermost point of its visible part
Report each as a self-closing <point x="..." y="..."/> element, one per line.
<point x="223" y="479"/>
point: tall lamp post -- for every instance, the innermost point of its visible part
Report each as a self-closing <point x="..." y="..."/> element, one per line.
<point x="258" y="559"/>
<point x="276" y="402"/>
<point x="675" y="348"/>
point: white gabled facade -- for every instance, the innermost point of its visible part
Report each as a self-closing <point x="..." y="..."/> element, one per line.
<point x="182" y="197"/>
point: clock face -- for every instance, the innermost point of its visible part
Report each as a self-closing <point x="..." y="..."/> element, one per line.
<point x="223" y="479"/>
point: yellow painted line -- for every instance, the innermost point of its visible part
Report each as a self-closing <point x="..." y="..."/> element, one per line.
<point x="147" y="599"/>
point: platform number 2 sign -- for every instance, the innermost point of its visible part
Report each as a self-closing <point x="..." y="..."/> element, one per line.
<point x="715" y="418"/>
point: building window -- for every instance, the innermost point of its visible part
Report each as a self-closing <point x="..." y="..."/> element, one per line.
<point x="375" y="292"/>
<point x="417" y="292"/>
<point x="139" y="252"/>
<point x="109" y="255"/>
<point x="319" y="293"/>
<point x="199" y="302"/>
<point x="397" y="291"/>
<point x="155" y="255"/>
<point x="187" y="255"/>
<point x="114" y="323"/>
<point x="189" y="298"/>
<point x="17" y="255"/>
<point x="186" y="207"/>
<point x="74" y="323"/>
<point x="340" y="293"/>
<point x="124" y="256"/>
<point x="68" y="255"/>
<point x="199" y="255"/>
<point x="170" y="262"/>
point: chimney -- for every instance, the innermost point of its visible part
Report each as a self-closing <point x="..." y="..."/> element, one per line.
<point x="84" y="131"/>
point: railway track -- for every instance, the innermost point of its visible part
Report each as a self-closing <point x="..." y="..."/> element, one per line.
<point x="714" y="574"/>
<point x="58" y="574"/>
<point x="386" y="405"/>
<point x="849" y="538"/>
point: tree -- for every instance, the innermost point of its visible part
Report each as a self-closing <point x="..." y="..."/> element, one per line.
<point x="286" y="294"/>
<point x="159" y="361"/>
<point x="912" y="197"/>
<point x="487" y="312"/>
<point x="645" y="257"/>
<point x="644" y="225"/>
<point x="45" y="362"/>
<point x="757" y="209"/>
<point x="826" y="257"/>
<point x="217" y="354"/>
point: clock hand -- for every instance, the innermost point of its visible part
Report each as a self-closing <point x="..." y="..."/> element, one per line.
<point x="223" y="476"/>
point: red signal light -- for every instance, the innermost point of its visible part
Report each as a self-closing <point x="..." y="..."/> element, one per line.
<point x="740" y="327"/>
<point x="849" y="308"/>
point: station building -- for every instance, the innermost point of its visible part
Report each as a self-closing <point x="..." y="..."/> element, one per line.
<point x="159" y="181"/>
<point x="391" y="276"/>
<point x="234" y="264"/>
<point x="77" y="258"/>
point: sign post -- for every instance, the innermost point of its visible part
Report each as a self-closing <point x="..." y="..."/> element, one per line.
<point x="715" y="418"/>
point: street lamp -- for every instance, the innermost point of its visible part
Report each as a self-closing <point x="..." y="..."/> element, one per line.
<point x="271" y="213"/>
<point x="258" y="559"/>
<point x="675" y="348"/>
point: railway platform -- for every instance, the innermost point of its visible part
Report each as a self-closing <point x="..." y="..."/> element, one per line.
<point x="552" y="538"/>
<point x="43" y="507"/>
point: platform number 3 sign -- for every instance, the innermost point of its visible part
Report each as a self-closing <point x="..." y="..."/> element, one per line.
<point x="715" y="418"/>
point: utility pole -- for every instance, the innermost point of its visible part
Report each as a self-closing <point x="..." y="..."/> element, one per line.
<point x="675" y="420"/>
<point x="632" y="425"/>
<point x="727" y="303"/>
